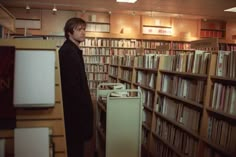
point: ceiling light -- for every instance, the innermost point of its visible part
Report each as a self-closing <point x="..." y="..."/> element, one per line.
<point x="231" y="9"/>
<point x="54" y="8"/>
<point x="126" y="1"/>
<point x="27" y="7"/>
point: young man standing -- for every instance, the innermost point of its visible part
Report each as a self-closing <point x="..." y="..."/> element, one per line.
<point x="77" y="103"/>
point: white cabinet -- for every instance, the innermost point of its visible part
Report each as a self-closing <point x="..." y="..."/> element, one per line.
<point x="118" y="122"/>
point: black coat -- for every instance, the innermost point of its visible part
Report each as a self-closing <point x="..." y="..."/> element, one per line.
<point x="77" y="103"/>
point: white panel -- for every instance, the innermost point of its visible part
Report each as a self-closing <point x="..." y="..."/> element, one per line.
<point x="34" y="78"/>
<point x="31" y="142"/>
<point x="123" y="129"/>
<point x="2" y="147"/>
<point x="28" y="23"/>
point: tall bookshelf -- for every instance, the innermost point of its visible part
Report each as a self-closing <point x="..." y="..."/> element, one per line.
<point x="96" y="54"/>
<point x="220" y="112"/>
<point x="127" y="71"/>
<point x="179" y="108"/>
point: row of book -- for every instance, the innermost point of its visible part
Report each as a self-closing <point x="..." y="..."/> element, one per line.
<point x="94" y="84"/>
<point x="150" y="61"/>
<point x="96" y="51"/>
<point x="226" y="65"/>
<point x="163" y="151"/>
<point x="224" y="98"/>
<point x="182" y="87"/>
<point x="97" y="76"/>
<point x="147" y="118"/>
<point x="208" y="152"/>
<point x="103" y="42"/>
<point x="122" y="51"/>
<point x="149" y="51"/>
<point x="126" y="75"/>
<point x="115" y="60"/>
<point x="227" y="47"/>
<point x="146" y="79"/>
<point x="89" y="42"/>
<point x="153" y="44"/>
<point x="212" y="33"/>
<point x="127" y="60"/>
<point x="180" y="140"/>
<point x="195" y="62"/>
<point x="133" y="43"/>
<point x="125" y="43"/>
<point x="96" y="59"/>
<point x="145" y="136"/>
<point x="96" y="42"/>
<point x="179" y="112"/>
<point x="148" y="98"/>
<point x="113" y="71"/>
<point x="180" y="46"/>
<point x="96" y="68"/>
<point x="191" y="62"/>
<point x="222" y="133"/>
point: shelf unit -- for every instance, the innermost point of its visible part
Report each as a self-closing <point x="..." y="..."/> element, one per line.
<point x="127" y="71"/>
<point x="213" y="29"/>
<point x="96" y="54"/>
<point x="177" y="123"/>
<point x="147" y="80"/>
<point x="218" y="138"/>
<point x="118" y="122"/>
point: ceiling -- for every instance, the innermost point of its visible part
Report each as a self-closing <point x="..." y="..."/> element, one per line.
<point x="205" y="9"/>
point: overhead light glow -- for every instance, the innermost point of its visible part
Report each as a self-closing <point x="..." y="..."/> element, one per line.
<point x="27" y="7"/>
<point x="54" y="8"/>
<point x="231" y="9"/>
<point x="126" y="1"/>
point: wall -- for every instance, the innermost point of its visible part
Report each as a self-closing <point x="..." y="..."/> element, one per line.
<point x="40" y="117"/>
<point x="121" y="25"/>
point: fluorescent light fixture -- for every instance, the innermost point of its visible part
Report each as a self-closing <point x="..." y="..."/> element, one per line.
<point x="126" y="1"/>
<point x="231" y="9"/>
<point x="27" y="7"/>
<point x="54" y="8"/>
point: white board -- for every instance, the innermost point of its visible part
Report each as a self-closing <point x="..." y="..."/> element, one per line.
<point x="31" y="142"/>
<point x="34" y="78"/>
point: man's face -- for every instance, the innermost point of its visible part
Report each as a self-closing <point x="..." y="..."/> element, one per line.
<point x="79" y="33"/>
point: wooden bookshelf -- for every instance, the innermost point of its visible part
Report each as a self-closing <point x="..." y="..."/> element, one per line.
<point x="184" y="100"/>
<point x="96" y="54"/>
<point x="213" y="29"/>
<point x="185" y="74"/>
<point x="201" y="108"/>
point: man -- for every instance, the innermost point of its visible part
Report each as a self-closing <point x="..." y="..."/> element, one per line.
<point x="77" y="103"/>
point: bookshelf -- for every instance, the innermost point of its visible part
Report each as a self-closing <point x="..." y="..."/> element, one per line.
<point x="179" y="102"/>
<point x="114" y="68"/>
<point x="147" y="77"/>
<point x="96" y="54"/>
<point x="221" y="112"/>
<point x="118" y="121"/>
<point x="127" y="72"/>
<point x="213" y="29"/>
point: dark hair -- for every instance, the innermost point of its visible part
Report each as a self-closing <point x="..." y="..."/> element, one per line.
<point x="71" y="24"/>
